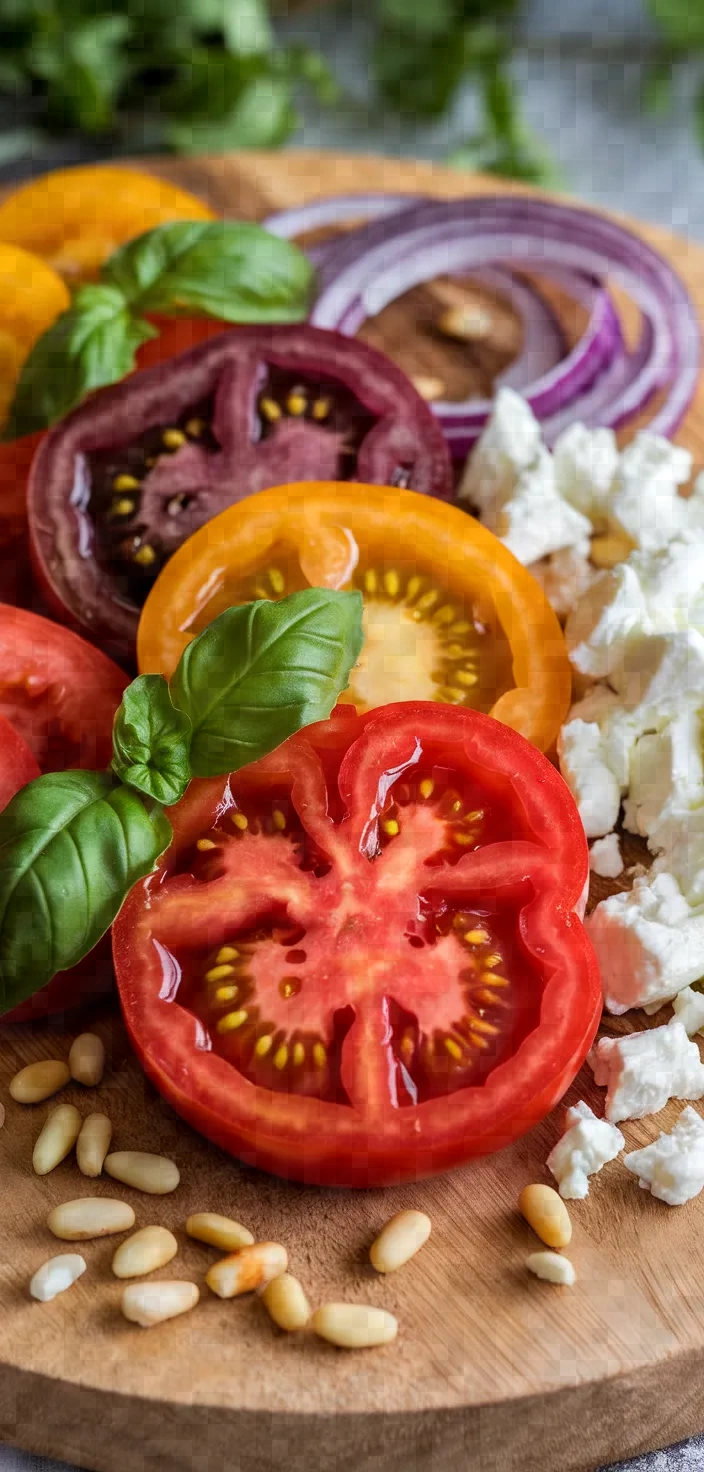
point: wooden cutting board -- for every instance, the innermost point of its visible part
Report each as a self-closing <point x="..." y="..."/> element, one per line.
<point x="491" y="1370"/>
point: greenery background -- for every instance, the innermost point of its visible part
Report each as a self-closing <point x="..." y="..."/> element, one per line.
<point x="191" y="75"/>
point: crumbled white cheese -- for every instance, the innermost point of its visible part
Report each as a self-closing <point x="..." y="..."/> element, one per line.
<point x="510" y="480"/>
<point x="564" y="576"/>
<point x="678" y="839"/>
<point x="535" y="521"/>
<point x="624" y="609"/>
<point x="688" y="1008"/>
<point x="642" y="1070"/>
<point x="620" y="728"/>
<point x="607" y="617"/>
<point x="585" y="462"/>
<point x="661" y="675"/>
<point x="672" y="1168"/>
<point x="593" y="785"/>
<point x="509" y="443"/>
<point x="644" y="500"/>
<point x="587" y="1144"/>
<point x="666" y="773"/>
<point x="605" y="857"/>
<point x="648" y="942"/>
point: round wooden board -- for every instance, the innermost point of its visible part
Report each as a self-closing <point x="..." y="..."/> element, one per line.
<point x="491" y="1368"/>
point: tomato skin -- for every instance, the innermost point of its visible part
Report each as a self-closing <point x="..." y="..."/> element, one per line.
<point x="66" y="722"/>
<point x="309" y="515"/>
<point x="304" y="1137"/>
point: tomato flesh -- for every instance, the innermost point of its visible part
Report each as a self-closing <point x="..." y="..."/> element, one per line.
<point x="126" y="479"/>
<point x="361" y="960"/>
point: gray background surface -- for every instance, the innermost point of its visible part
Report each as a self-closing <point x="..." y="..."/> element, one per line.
<point x="580" y="70"/>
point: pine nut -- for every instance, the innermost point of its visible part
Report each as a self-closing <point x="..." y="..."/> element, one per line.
<point x="56" y="1139"/>
<point x="86" y="1059"/>
<point x="56" y="1275"/>
<point x="354" y="1325"/>
<point x="547" y="1214"/>
<point x="247" y="1269"/>
<point x="90" y="1216"/>
<point x="153" y="1174"/>
<point x="552" y="1268"/>
<point x="218" y="1231"/>
<point x="147" y="1250"/>
<point x="151" y="1303"/>
<point x="286" y="1303"/>
<point x="39" y="1081"/>
<point x="93" y="1144"/>
<point x="399" y="1241"/>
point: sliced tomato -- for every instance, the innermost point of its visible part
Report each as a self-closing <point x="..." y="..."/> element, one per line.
<point x="449" y="614"/>
<point x="60" y="695"/>
<point x="59" y="692"/>
<point x="17" y="764"/>
<point x="121" y="483"/>
<point x="362" y="960"/>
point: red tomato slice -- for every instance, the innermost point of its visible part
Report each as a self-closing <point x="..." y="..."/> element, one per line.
<point x="59" y="692"/>
<point x="361" y="960"/>
<point x="17" y="765"/>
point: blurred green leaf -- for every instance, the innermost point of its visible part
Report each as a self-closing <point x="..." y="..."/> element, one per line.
<point x="246" y="27"/>
<point x="682" y="21"/>
<point x="262" y="117"/>
<point x="657" y="88"/>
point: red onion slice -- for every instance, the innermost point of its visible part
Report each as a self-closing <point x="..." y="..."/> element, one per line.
<point x="598" y="382"/>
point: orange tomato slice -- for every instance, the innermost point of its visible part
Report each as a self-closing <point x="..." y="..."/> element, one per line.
<point x="76" y="218"/>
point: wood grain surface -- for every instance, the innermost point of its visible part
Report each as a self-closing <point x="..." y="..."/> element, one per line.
<point x="492" y="1370"/>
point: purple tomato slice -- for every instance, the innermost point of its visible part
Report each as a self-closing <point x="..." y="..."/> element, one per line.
<point x="135" y="470"/>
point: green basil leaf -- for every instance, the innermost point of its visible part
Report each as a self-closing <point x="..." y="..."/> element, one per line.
<point x="237" y="272"/>
<point x="247" y="27"/>
<point x="151" y="741"/>
<point x="262" y="671"/>
<point x="91" y="344"/>
<point x="72" y="844"/>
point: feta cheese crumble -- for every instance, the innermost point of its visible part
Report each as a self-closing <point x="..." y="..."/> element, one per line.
<point x="642" y="1070"/>
<point x="605" y="857"/>
<point x="672" y="1168"/>
<point x="648" y="942"/>
<point x="510" y="480"/>
<point x="582" y="754"/>
<point x="688" y="1008"/>
<point x="587" y="1144"/>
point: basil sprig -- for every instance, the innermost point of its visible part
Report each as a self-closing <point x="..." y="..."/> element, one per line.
<point x="73" y="844"/>
<point x="233" y="271"/>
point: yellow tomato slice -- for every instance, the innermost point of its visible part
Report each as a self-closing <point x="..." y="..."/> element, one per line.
<point x="76" y="218"/>
<point x="32" y="296"/>
<point x="449" y="614"/>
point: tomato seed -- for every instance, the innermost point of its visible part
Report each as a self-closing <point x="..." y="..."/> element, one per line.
<point x="427" y="787"/>
<point x="270" y="409"/>
<point x="195" y="428"/>
<point x="231" y="1021"/>
<point x="370" y="581"/>
<point x="240" y="821"/>
<point x="278" y="819"/>
<point x="321" y="408"/>
<point x="226" y="993"/>
<point x="125" y="483"/>
<point x="281" y="1057"/>
<point x="263" y="1045"/>
<point x="204" y="844"/>
<point x="299" y="1054"/>
<point x="218" y="973"/>
<point x="289" y="987"/>
<point x="391" y="827"/>
<point x="320" y="1056"/>
<point x="453" y="1048"/>
<point x="296" y="403"/>
<point x="173" y="439"/>
<point x="477" y="937"/>
<point x="277" y="580"/>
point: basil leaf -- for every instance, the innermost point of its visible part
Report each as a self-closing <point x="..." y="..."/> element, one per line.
<point x="151" y="741"/>
<point x="91" y="344"/>
<point x="237" y="272"/>
<point x="72" y="844"/>
<point x="247" y="27"/>
<point x="262" y="671"/>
